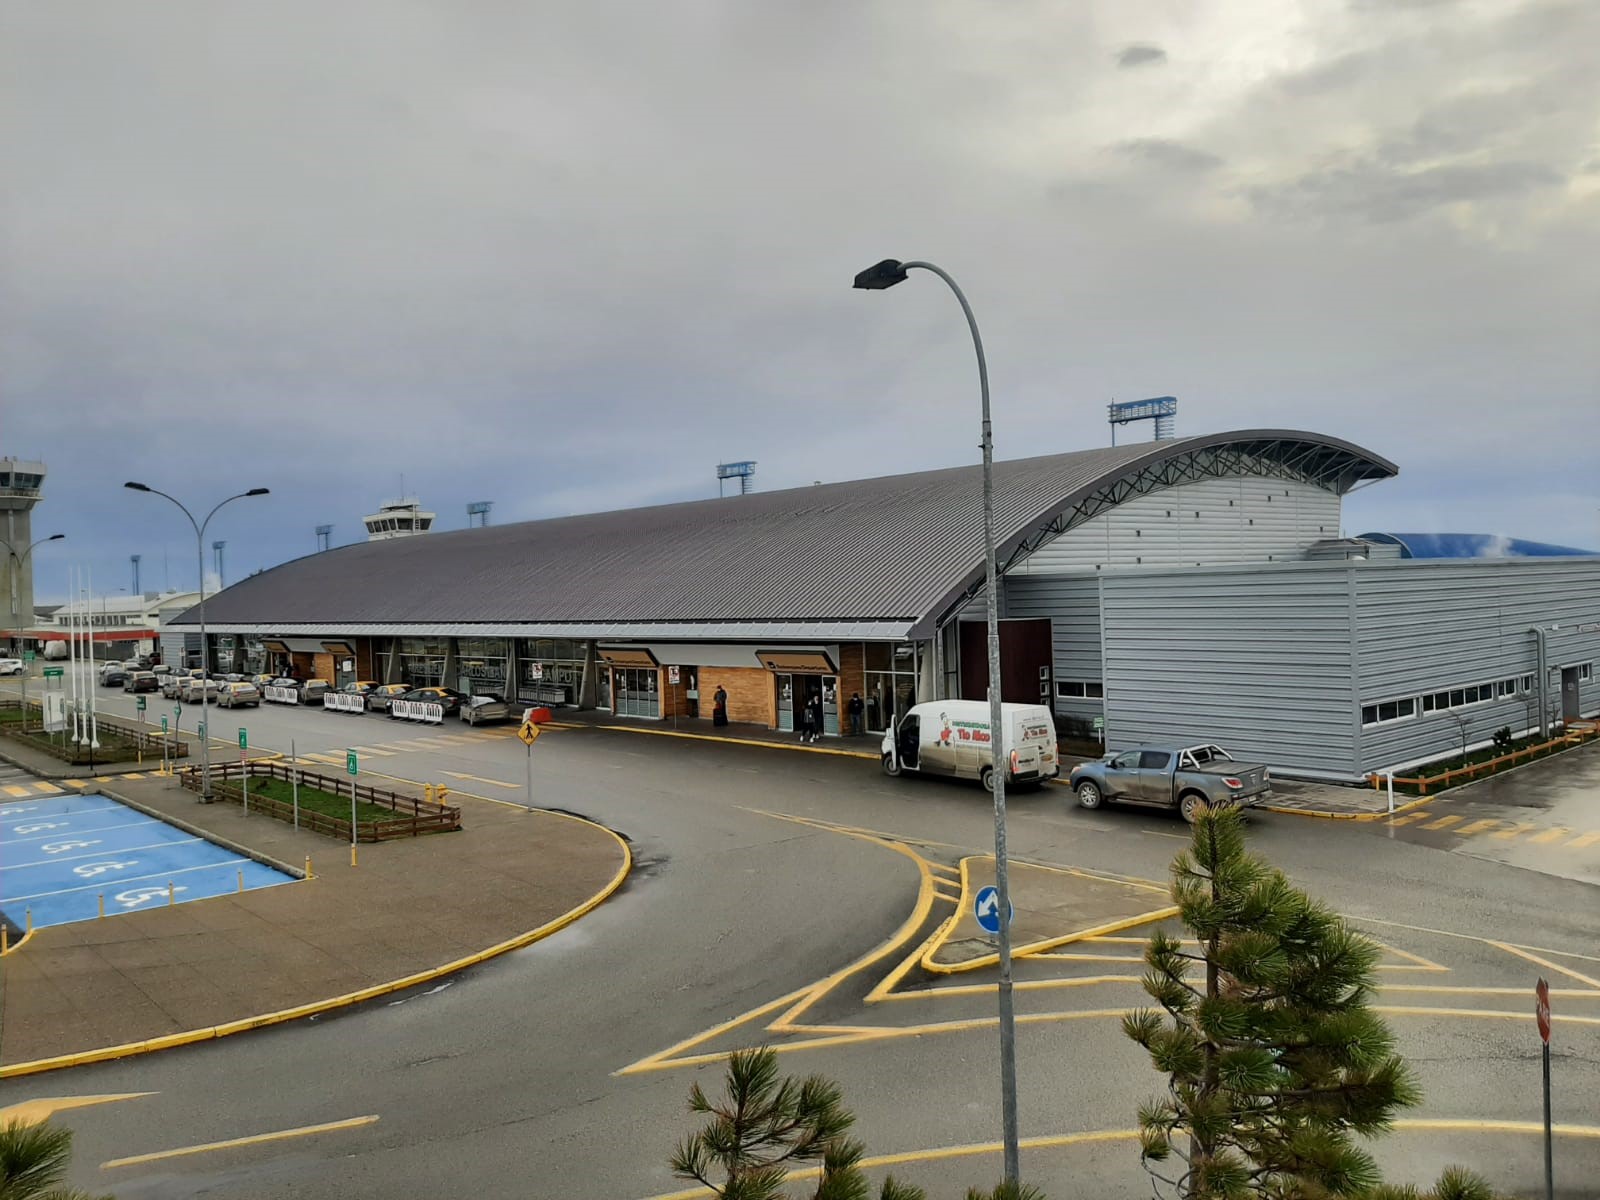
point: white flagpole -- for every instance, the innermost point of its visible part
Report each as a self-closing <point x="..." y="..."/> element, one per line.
<point x="72" y="647"/>
<point x="94" y="717"/>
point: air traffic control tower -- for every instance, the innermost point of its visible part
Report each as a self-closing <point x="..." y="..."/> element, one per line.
<point x="21" y="484"/>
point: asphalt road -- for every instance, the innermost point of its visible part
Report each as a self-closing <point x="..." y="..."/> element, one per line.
<point x="763" y="872"/>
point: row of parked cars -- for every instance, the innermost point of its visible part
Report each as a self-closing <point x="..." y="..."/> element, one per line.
<point x="238" y="690"/>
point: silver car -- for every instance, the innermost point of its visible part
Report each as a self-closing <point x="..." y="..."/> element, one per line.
<point x="479" y="710"/>
<point x="234" y="695"/>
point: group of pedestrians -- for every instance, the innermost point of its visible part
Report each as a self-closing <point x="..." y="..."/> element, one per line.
<point x="810" y="714"/>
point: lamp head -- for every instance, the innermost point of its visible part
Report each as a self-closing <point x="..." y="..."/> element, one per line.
<point x="259" y="492"/>
<point x="55" y="537"/>
<point x="881" y="275"/>
<point x="138" y="487"/>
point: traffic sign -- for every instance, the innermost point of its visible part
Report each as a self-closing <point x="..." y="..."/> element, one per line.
<point x="244" y="739"/>
<point x="536" y="670"/>
<point x="529" y="733"/>
<point x="27" y="656"/>
<point x="163" y="724"/>
<point x="139" y="703"/>
<point x="1541" y="1009"/>
<point x="177" y="711"/>
<point x="986" y="907"/>
<point x="350" y="765"/>
<point x="52" y="672"/>
<point x="673" y="675"/>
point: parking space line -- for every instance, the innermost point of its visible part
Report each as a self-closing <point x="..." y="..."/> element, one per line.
<point x="12" y="789"/>
<point x="1420" y="815"/>
<point x="1478" y="827"/>
<point x="231" y="1143"/>
<point x="48" y="789"/>
<point x="1587" y="839"/>
<point x="1549" y="835"/>
<point x="1444" y="822"/>
<point x="1505" y="835"/>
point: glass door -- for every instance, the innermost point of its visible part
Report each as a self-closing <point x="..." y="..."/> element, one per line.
<point x="785" y="702"/>
<point x="830" y="706"/>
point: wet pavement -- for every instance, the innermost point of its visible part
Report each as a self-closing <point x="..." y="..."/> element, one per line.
<point x="1543" y="817"/>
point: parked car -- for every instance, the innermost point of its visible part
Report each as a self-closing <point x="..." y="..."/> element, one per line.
<point x="951" y="737"/>
<point x="447" y="698"/>
<point x="312" y="690"/>
<point x="161" y="669"/>
<point x="1187" y="778"/>
<point x="479" y="710"/>
<point x="172" y="686"/>
<point x="114" y="675"/>
<point x="196" y="690"/>
<point x="261" y="681"/>
<point x="55" y="651"/>
<point x="238" y="694"/>
<point x="10" y="666"/>
<point x="142" y="681"/>
<point x="379" y="697"/>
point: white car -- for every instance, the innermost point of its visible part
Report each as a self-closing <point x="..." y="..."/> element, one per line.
<point x="11" y="666"/>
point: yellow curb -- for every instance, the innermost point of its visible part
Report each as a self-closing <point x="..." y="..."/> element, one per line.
<point x="130" y="1049"/>
<point x="23" y="941"/>
<point x="732" y="741"/>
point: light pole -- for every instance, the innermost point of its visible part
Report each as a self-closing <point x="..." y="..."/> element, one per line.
<point x="877" y="278"/>
<point x="205" y="652"/>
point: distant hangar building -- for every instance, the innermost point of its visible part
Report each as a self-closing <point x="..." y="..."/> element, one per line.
<point x="1191" y="588"/>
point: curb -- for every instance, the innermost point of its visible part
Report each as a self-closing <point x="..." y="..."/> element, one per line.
<point x="70" y="772"/>
<point x="244" y="1024"/>
<point x="732" y="741"/>
<point x="1326" y="814"/>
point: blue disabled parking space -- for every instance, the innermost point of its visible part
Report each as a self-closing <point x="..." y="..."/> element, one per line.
<point x="59" y="857"/>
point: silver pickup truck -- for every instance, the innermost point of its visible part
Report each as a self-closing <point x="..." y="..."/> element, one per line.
<point x="1188" y="778"/>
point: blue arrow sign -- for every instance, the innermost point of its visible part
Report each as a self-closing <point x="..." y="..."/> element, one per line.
<point x="986" y="907"/>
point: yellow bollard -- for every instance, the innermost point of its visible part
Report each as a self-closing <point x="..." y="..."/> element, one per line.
<point x="102" y="905"/>
<point x="427" y="792"/>
<point x="352" y="854"/>
<point x="241" y="881"/>
<point x="172" y="895"/>
<point x="308" y="867"/>
<point x="29" y="921"/>
<point x="441" y="793"/>
<point x="5" y="938"/>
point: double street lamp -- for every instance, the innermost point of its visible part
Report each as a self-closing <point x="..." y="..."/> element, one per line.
<point x="205" y="650"/>
<point x="877" y="278"/>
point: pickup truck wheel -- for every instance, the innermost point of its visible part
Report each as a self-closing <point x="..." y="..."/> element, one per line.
<point x="1191" y="805"/>
<point x="1088" y="795"/>
<point x="891" y="767"/>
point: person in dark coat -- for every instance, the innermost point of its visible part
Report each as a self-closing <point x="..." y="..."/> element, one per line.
<point x="856" y="707"/>
<point x="719" y="707"/>
<point x="808" y="721"/>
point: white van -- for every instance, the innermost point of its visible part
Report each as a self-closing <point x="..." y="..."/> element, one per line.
<point x="55" y="651"/>
<point x="951" y="737"/>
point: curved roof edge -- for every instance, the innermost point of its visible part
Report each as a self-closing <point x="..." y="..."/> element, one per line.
<point x="1330" y="459"/>
<point x="1474" y="545"/>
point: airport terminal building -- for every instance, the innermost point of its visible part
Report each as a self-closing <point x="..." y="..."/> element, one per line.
<point x="1186" y="589"/>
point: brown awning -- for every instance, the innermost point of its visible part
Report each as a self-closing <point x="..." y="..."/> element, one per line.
<point x="340" y="649"/>
<point x="627" y="657"/>
<point x="797" y="662"/>
<point x="274" y="647"/>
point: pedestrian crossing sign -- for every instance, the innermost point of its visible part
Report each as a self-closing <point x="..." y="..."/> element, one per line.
<point x="529" y="733"/>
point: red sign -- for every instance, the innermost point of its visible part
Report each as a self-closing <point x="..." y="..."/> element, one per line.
<point x="1541" y="1009"/>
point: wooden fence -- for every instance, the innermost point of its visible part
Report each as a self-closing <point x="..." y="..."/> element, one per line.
<point x="141" y="739"/>
<point x="1576" y="733"/>
<point x="412" y="816"/>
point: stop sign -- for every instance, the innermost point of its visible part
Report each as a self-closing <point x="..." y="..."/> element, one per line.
<point x="1541" y="1009"/>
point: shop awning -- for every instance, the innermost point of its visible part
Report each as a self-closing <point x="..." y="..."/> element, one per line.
<point x="797" y="662"/>
<point x="627" y="657"/>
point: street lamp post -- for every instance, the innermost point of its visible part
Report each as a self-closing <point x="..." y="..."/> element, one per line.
<point x="18" y="561"/>
<point x="877" y="278"/>
<point x="205" y="652"/>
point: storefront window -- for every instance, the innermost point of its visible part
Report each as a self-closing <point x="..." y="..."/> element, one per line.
<point x="552" y="671"/>
<point x="891" y="681"/>
<point x="637" y="692"/>
<point x="422" y="661"/>
<point x="481" y="665"/>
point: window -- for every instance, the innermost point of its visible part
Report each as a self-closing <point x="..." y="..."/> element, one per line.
<point x="1388" y="711"/>
<point x="1080" y="690"/>
<point x="1508" y="687"/>
<point x="1154" y="760"/>
<point x="1586" y="671"/>
<point x="1527" y="683"/>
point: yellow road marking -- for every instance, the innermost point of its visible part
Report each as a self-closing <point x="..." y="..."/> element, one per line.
<point x="1468" y="937"/>
<point x="325" y="759"/>
<point x="76" y="782"/>
<point x="1587" y="839"/>
<point x="1444" y="822"/>
<point x="231" y="1143"/>
<point x="480" y="779"/>
<point x="1505" y="835"/>
<point x="1527" y="1014"/>
<point x="1545" y="962"/>
<point x="49" y="789"/>
<point x="12" y="789"/>
<point x="1549" y="835"/>
<point x="31" y="1112"/>
<point x="1410" y="817"/>
<point x="1089" y="1137"/>
<point x="941" y="869"/>
<point x="1477" y="827"/>
<point x="373" y="750"/>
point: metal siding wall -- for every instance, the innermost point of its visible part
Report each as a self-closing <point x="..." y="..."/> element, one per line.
<point x="1251" y="519"/>
<point x="1427" y="626"/>
<point x="1257" y="660"/>
<point x="1073" y="605"/>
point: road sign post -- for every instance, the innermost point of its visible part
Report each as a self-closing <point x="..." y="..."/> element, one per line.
<point x="529" y="733"/>
<point x="244" y="767"/>
<point x="353" y="767"/>
<point x="986" y="909"/>
<point x="164" y="769"/>
<point x="1541" y="1013"/>
<point x="294" y="782"/>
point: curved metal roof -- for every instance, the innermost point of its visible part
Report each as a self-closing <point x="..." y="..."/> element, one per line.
<point x="1472" y="545"/>
<point x="895" y="551"/>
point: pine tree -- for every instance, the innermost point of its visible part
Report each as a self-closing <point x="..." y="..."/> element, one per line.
<point x="1276" y="1063"/>
<point x="34" y="1160"/>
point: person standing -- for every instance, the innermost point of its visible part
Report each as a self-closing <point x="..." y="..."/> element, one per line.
<point x="855" y="708"/>
<point x="808" y="721"/>
<point x="719" y="707"/>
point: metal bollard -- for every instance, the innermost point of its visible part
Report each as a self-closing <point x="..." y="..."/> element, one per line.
<point x="241" y="880"/>
<point x="172" y="894"/>
<point x="352" y="854"/>
<point x="102" y="905"/>
<point x="308" y="867"/>
<point x="5" y="938"/>
<point x="29" y="920"/>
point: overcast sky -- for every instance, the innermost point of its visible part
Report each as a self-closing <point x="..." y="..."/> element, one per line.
<point x="568" y="257"/>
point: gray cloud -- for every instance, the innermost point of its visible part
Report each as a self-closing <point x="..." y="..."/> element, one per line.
<point x="532" y="260"/>
<point x="1174" y="156"/>
<point x="1140" y="54"/>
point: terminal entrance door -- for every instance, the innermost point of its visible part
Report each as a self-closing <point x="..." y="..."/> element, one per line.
<point x="785" y="703"/>
<point x="1570" y="704"/>
<point x="798" y="694"/>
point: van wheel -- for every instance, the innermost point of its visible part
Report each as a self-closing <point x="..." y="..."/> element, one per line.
<point x="987" y="779"/>
<point x="1191" y="805"/>
<point x="1088" y="795"/>
<point x="891" y="767"/>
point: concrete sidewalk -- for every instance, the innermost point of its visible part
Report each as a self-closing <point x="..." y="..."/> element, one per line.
<point x="411" y="906"/>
